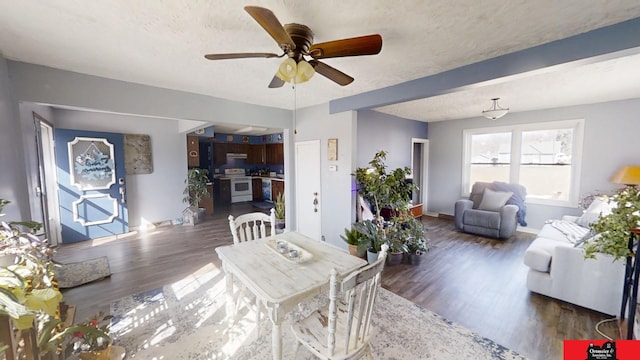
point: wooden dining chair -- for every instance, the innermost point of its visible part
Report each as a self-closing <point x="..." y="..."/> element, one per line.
<point x="252" y="226"/>
<point x="249" y="227"/>
<point x="341" y="330"/>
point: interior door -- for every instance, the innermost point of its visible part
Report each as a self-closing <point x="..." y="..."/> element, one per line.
<point x="308" y="204"/>
<point x="91" y="192"/>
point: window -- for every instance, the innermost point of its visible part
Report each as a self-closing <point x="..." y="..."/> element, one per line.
<point x="543" y="157"/>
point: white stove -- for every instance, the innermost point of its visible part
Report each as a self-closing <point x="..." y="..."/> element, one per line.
<point x="241" y="189"/>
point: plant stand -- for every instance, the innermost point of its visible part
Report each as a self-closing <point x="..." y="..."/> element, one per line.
<point x="630" y="290"/>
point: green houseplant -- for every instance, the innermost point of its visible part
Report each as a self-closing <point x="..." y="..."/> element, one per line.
<point x="29" y="297"/>
<point x="614" y="230"/>
<point x="384" y="189"/>
<point x="280" y="211"/>
<point x="196" y="188"/>
<point x="352" y="238"/>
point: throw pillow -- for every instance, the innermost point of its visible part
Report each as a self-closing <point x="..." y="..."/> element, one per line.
<point x="494" y="200"/>
<point x="600" y="206"/>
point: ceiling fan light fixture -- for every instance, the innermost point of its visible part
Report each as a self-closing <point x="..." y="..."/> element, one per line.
<point x="287" y="70"/>
<point x="495" y="112"/>
<point x="304" y="73"/>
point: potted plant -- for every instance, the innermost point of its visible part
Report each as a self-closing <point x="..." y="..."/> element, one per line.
<point x="614" y="230"/>
<point x="90" y="339"/>
<point x="352" y="238"/>
<point x="196" y="190"/>
<point x="416" y="242"/>
<point x="384" y="189"/>
<point x="371" y="239"/>
<point x="29" y="297"/>
<point x="280" y="211"/>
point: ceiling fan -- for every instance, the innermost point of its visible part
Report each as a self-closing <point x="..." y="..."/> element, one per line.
<point x="296" y="41"/>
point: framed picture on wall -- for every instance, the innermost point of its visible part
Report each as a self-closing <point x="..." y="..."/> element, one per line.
<point x="332" y="150"/>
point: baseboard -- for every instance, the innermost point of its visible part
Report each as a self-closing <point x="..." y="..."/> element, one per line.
<point x="445" y="216"/>
<point x="527" y="230"/>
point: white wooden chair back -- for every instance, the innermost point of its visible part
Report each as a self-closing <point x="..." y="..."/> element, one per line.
<point x="341" y="330"/>
<point x="252" y="226"/>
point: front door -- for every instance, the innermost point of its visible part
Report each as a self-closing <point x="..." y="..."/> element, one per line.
<point x="91" y="192"/>
<point x="308" y="205"/>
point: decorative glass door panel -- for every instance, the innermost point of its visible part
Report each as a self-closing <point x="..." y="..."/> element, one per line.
<point x="91" y="179"/>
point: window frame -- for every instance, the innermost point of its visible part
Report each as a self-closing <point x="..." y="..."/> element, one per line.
<point x="516" y="131"/>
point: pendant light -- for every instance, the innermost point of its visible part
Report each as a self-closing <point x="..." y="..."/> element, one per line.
<point x="495" y="112"/>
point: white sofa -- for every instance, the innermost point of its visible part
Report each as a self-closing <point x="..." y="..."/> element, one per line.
<point x="557" y="268"/>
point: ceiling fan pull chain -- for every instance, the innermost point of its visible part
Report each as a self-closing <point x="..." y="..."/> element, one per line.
<point x="295" y="107"/>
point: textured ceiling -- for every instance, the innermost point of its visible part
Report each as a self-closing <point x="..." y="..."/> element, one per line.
<point x="162" y="43"/>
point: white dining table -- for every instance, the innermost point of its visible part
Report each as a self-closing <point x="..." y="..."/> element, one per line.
<point x="280" y="283"/>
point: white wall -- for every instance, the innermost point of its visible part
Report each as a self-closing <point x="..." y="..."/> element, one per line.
<point x="610" y="141"/>
<point x="315" y="123"/>
<point x="150" y="197"/>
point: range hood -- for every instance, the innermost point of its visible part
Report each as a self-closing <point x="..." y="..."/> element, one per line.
<point x="236" y="156"/>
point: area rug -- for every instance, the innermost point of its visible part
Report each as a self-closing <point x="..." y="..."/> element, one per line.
<point x="186" y="320"/>
<point x="263" y="205"/>
<point x="78" y="273"/>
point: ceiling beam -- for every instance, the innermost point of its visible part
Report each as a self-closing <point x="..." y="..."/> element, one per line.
<point x="618" y="40"/>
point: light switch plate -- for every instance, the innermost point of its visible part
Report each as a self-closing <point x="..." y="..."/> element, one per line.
<point x="333" y="167"/>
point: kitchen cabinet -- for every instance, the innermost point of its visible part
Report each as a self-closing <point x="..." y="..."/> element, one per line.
<point x="207" y="202"/>
<point x="256" y="154"/>
<point x="277" y="187"/>
<point x="220" y="153"/>
<point x="224" y="191"/>
<point x="193" y="151"/>
<point x="274" y="154"/>
<point x="256" y="186"/>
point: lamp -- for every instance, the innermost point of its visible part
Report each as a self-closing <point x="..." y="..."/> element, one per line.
<point x="495" y="112"/>
<point x="627" y="175"/>
<point x="298" y="72"/>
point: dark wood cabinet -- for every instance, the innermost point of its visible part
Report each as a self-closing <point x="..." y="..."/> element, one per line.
<point x="277" y="187"/>
<point x="220" y="153"/>
<point x="256" y="187"/>
<point x="256" y="154"/>
<point x="274" y="154"/>
<point x="207" y="202"/>
<point x="193" y="151"/>
<point x="224" y="191"/>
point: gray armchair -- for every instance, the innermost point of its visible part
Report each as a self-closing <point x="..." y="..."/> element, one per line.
<point x="486" y="212"/>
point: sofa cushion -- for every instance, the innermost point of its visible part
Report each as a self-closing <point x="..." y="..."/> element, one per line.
<point x="600" y="206"/>
<point x="494" y="200"/>
<point x="482" y="218"/>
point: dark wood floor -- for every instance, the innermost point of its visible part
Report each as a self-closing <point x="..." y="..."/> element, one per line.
<point x="474" y="281"/>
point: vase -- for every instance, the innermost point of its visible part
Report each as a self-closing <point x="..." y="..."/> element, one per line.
<point x="371" y="256"/>
<point x="96" y="355"/>
<point x="414" y="259"/>
<point x="353" y="250"/>
<point x="394" y="258"/>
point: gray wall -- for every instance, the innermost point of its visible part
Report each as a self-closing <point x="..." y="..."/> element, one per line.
<point x="610" y="141"/>
<point x="13" y="178"/>
<point x="379" y="131"/>
<point x="315" y="123"/>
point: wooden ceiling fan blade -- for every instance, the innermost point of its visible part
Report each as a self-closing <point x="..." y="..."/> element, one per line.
<point x="272" y="25"/>
<point x="362" y="45"/>
<point x="331" y="73"/>
<point x="276" y="82"/>
<point x="240" y="56"/>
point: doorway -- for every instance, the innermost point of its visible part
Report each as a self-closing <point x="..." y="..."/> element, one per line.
<point x="46" y="188"/>
<point x="420" y="171"/>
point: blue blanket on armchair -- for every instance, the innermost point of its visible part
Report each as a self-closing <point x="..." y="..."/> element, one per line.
<point x="518" y="197"/>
